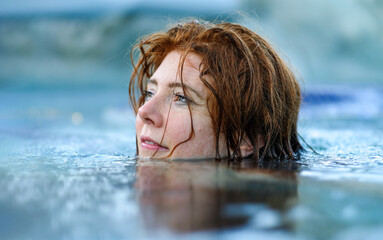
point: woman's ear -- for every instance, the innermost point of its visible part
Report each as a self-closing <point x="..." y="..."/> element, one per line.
<point x="246" y="148"/>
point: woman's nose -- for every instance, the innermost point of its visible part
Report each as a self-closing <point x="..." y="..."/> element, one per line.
<point x="150" y="113"/>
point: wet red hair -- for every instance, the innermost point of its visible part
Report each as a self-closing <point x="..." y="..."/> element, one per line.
<point x="253" y="95"/>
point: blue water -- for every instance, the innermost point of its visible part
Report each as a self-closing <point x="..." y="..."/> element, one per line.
<point x="67" y="165"/>
<point x="68" y="171"/>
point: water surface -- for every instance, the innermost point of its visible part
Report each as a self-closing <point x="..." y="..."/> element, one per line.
<point x="68" y="171"/>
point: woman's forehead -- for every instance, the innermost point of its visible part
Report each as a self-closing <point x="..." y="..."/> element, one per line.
<point x="170" y="69"/>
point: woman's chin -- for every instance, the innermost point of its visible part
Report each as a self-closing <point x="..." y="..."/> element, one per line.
<point x="143" y="153"/>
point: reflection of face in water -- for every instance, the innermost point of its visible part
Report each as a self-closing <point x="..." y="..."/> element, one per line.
<point x="196" y="195"/>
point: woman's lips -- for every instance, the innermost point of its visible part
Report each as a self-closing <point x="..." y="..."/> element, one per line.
<point x="149" y="144"/>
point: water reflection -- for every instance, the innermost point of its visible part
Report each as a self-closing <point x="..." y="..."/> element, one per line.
<point x="187" y="196"/>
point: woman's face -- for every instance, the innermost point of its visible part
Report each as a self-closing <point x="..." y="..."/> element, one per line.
<point x="164" y="120"/>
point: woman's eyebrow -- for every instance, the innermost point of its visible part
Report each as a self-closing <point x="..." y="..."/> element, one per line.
<point x="174" y="85"/>
<point x="152" y="81"/>
<point x="188" y="88"/>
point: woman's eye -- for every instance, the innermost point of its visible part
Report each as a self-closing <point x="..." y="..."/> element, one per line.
<point x="181" y="98"/>
<point x="147" y="95"/>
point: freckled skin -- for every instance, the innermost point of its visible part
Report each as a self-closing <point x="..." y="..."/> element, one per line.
<point x="164" y="115"/>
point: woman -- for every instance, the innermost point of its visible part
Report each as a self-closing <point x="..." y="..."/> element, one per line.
<point x="213" y="90"/>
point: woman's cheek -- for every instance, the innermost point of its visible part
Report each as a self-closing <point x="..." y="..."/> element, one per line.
<point x="179" y="128"/>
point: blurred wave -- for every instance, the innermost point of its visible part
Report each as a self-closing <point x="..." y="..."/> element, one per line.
<point x="328" y="41"/>
<point x="84" y="43"/>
